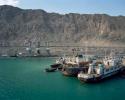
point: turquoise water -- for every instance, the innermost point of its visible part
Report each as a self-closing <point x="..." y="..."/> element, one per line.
<point x="24" y="79"/>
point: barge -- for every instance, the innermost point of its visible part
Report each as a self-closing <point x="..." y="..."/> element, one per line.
<point x="74" y="65"/>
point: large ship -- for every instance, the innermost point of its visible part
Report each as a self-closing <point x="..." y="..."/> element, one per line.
<point x="76" y="64"/>
<point x="96" y="72"/>
<point x="72" y="70"/>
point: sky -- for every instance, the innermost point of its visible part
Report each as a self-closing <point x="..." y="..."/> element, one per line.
<point x="111" y="7"/>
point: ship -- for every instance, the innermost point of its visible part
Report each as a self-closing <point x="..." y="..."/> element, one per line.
<point x="72" y="70"/>
<point x="76" y="64"/>
<point x="108" y="67"/>
<point x="59" y="63"/>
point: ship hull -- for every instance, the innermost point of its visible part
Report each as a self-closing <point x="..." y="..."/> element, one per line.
<point x="90" y="80"/>
<point x="56" y="66"/>
<point x="72" y="71"/>
<point x="100" y="78"/>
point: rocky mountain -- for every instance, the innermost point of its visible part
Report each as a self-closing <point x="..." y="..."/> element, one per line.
<point x="19" y="25"/>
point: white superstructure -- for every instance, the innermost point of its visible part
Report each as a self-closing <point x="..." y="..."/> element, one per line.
<point x="75" y="59"/>
<point x="108" y="67"/>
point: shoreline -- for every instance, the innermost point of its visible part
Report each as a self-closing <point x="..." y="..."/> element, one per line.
<point x="29" y="57"/>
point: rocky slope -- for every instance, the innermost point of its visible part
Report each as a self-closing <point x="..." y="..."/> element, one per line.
<point x="18" y="26"/>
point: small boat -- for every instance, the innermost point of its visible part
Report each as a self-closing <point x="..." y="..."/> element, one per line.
<point x="110" y="66"/>
<point x="14" y="55"/>
<point x="58" y="64"/>
<point x="50" y="69"/>
<point x="4" y="55"/>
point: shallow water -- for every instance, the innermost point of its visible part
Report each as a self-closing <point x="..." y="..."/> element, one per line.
<point x="25" y="79"/>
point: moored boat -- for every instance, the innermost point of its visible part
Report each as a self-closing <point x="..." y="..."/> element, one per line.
<point x="97" y="72"/>
<point x="59" y="63"/>
<point x="74" y="65"/>
<point x="72" y="71"/>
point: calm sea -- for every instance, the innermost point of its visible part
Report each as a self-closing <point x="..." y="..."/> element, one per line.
<point x="24" y="79"/>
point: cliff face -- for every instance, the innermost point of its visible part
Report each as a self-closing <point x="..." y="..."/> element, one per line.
<point x="18" y="25"/>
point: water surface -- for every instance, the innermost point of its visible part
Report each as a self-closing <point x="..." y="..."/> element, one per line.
<point x="25" y="79"/>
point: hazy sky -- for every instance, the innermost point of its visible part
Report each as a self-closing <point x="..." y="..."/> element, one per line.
<point x="112" y="7"/>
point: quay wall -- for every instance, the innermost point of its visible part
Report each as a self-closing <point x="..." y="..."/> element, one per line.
<point x="58" y="50"/>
